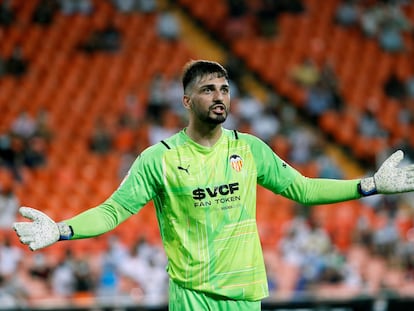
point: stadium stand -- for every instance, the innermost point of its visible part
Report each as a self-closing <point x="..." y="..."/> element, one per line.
<point x="77" y="88"/>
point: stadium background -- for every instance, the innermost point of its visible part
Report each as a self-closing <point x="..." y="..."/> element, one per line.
<point x="98" y="83"/>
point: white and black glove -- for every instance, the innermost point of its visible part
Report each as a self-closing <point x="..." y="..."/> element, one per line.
<point x="389" y="178"/>
<point x="42" y="231"/>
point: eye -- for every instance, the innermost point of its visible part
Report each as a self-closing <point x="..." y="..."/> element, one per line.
<point x="225" y="90"/>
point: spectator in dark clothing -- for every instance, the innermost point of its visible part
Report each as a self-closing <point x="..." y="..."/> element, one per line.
<point x="290" y="6"/>
<point x="101" y="141"/>
<point x="3" y="69"/>
<point x="35" y="152"/>
<point x="395" y="88"/>
<point x="12" y="153"/>
<point x="6" y="13"/>
<point x="111" y="38"/>
<point x="237" y="8"/>
<point x="44" y="12"/>
<point x="107" y="39"/>
<point x="267" y="16"/>
<point x="16" y="64"/>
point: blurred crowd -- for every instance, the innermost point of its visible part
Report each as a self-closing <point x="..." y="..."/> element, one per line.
<point x="304" y="261"/>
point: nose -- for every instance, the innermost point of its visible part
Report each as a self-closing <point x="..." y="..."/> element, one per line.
<point x="218" y="96"/>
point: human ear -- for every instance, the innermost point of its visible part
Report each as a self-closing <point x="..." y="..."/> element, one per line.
<point x="186" y="102"/>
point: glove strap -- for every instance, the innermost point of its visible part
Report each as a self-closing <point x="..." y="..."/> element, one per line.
<point x="367" y="187"/>
<point x="65" y="231"/>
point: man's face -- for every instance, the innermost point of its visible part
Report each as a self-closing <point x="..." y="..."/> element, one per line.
<point x="209" y="99"/>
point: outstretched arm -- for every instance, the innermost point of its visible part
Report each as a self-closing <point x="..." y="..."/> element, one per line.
<point x="43" y="231"/>
<point x="314" y="191"/>
<point x="389" y="179"/>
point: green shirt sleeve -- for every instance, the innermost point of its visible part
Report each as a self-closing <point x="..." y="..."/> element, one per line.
<point x="272" y="172"/>
<point x="98" y="220"/>
<point x="314" y="191"/>
<point x="137" y="189"/>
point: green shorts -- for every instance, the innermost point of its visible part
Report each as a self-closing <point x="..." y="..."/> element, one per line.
<point x="183" y="299"/>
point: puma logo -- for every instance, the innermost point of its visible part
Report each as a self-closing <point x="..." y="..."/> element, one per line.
<point x="184" y="169"/>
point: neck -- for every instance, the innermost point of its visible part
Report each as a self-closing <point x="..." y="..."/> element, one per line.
<point x="206" y="136"/>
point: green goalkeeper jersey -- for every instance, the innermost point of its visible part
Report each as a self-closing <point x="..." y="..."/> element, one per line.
<point x="205" y="199"/>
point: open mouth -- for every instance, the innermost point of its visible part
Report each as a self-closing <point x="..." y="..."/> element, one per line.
<point x="219" y="109"/>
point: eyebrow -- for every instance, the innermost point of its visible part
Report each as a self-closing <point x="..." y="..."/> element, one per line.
<point x="213" y="86"/>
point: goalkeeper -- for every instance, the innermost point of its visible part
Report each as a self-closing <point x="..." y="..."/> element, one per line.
<point x="202" y="181"/>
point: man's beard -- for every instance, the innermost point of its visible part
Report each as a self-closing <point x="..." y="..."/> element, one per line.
<point x="216" y="119"/>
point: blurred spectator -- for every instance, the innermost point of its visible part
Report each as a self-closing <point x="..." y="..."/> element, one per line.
<point x="319" y="99"/>
<point x="7" y="295"/>
<point x="156" y="284"/>
<point x="63" y="279"/>
<point x="392" y="27"/>
<point x="147" y="6"/>
<point x="43" y="129"/>
<point x="126" y="6"/>
<point x="40" y="268"/>
<point x="107" y="39"/>
<point x="236" y="71"/>
<point x="9" y="202"/>
<point x="385" y="21"/>
<point x="173" y="96"/>
<point x="13" y="292"/>
<point x="70" y="7"/>
<point x="371" y="18"/>
<point x="108" y="284"/>
<point x="168" y="123"/>
<point x="290" y="6"/>
<point x="16" y="64"/>
<point x="110" y="38"/>
<point x="409" y="86"/>
<point x="329" y="79"/>
<point x="5" y="152"/>
<point x="157" y="100"/>
<point x="12" y="154"/>
<point x="6" y="13"/>
<point x="145" y="266"/>
<point x="306" y="74"/>
<point x="347" y="13"/>
<point x="267" y="18"/>
<point x="369" y="126"/>
<point x="394" y="87"/>
<point x="135" y="267"/>
<point x="83" y="277"/>
<point x="302" y="145"/>
<point x="266" y="125"/>
<point x="35" y="152"/>
<point x="101" y="141"/>
<point x="316" y="247"/>
<point x="24" y="125"/>
<point x="168" y="27"/>
<point x="327" y="168"/>
<point x="237" y="8"/>
<point x="44" y="12"/>
<point x="142" y="6"/>
<point x="3" y="69"/>
<point x="133" y="110"/>
<point x="390" y="38"/>
<point x="249" y="107"/>
<point x="11" y="257"/>
<point x="239" y="22"/>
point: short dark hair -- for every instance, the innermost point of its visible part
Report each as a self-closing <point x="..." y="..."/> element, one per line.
<point x="198" y="68"/>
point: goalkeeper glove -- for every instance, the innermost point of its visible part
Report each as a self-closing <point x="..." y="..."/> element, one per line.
<point x="389" y="178"/>
<point x="42" y="231"/>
